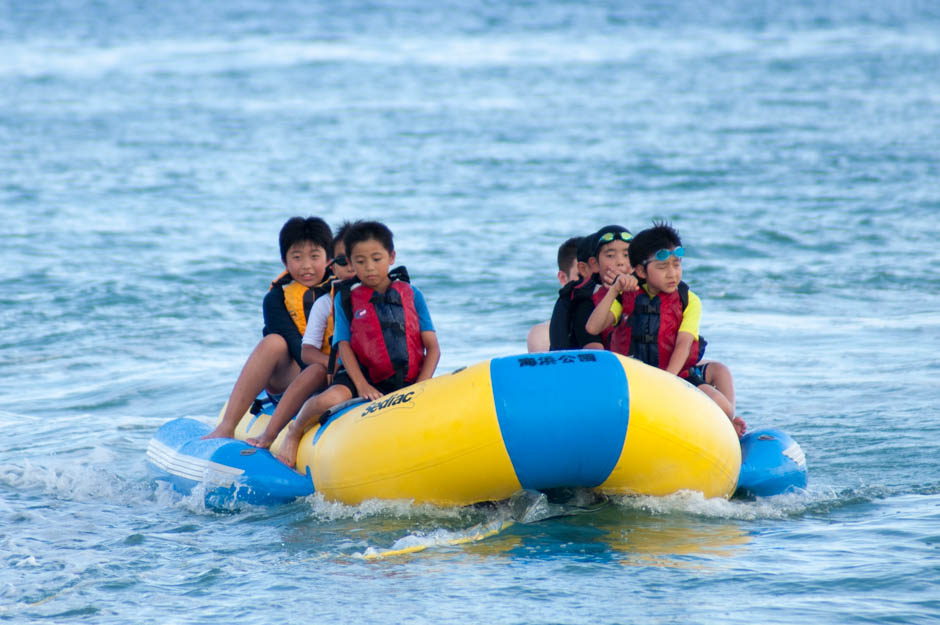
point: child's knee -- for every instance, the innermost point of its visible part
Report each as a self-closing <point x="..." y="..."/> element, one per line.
<point x="272" y="350"/>
<point x="315" y="373"/>
<point x="717" y="372"/>
<point x="273" y="341"/>
<point x="332" y="396"/>
<point x="716" y="395"/>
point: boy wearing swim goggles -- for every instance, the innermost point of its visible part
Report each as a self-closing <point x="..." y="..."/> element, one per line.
<point x="611" y="262"/>
<point x="607" y="258"/>
<point x="663" y="318"/>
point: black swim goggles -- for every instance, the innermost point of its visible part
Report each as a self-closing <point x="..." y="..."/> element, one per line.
<point x="340" y="260"/>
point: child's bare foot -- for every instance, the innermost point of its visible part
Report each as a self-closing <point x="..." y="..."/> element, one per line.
<point x="221" y="432"/>
<point x="260" y="441"/>
<point x="739" y="426"/>
<point x="288" y="451"/>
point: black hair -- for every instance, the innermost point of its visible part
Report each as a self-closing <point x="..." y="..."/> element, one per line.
<point x="299" y="230"/>
<point x="567" y="253"/>
<point x="360" y="231"/>
<point x="586" y="247"/>
<point x="651" y="240"/>
<point x="341" y="236"/>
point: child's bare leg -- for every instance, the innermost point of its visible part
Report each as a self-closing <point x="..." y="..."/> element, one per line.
<point x="269" y="365"/>
<point x="303" y="386"/>
<point x="719" y="375"/>
<point x="725" y="405"/>
<point x="308" y="413"/>
<point x="718" y="398"/>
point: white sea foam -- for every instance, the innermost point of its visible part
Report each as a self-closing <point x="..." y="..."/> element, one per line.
<point x="42" y="58"/>
<point x="690" y="502"/>
<point x="325" y="510"/>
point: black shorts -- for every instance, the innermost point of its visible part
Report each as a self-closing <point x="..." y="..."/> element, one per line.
<point x="343" y="379"/>
<point x="697" y="375"/>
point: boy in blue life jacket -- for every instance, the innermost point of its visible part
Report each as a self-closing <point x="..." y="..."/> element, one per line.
<point x="538" y="339"/>
<point x="662" y="317"/>
<point x="276" y="360"/>
<point x="383" y="335"/>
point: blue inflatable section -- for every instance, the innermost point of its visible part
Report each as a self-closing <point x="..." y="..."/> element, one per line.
<point x="228" y="470"/>
<point x="572" y="434"/>
<point x="772" y="463"/>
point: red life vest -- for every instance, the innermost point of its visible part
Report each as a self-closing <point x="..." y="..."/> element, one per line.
<point x="561" y="327"/>
<point x="620" y="333"/>
<point x="654" y="326"/>
<point x="385" y="332"/>
<point x="599" y="292"/>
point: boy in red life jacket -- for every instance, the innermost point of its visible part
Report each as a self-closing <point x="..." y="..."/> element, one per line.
<point x="663" y="318"/>
<point x="606" y="254"/>
<point x="538" y="339"/>
<point x="385" y="340"/>
<point x="276" y="360"/>
<point x="315" y="345"/>
<point x="611" y="264"/>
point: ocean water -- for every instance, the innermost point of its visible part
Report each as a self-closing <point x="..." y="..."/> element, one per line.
<point x="149" y="153"/>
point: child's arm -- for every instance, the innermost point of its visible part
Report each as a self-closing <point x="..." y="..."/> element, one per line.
<point x="310" y="352"/>
<point x="680" y="354"/>
<point x="351" y="363"/>
<point x="601" y="318"/>
<point x="432" y="355"/>
<point x="432" y="349"/>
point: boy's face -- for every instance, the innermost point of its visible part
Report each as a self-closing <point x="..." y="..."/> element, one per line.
<point x="306" y="263"/>
<point x="371" y="261"/>
<point x="342" y="267"/>
<point x="613" y="259"/>
<point x="662" y="275"/>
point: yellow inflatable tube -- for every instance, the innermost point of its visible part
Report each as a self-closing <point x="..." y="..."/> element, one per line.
<point x="561" y="419"/>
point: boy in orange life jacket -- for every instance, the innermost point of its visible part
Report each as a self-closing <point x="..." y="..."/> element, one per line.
<point x="315" y="351"/>
<point x="276" y="360"/>
<point x="538" y="339"/>
<point x="385" y="340"/>
<point x="664" y="316"/>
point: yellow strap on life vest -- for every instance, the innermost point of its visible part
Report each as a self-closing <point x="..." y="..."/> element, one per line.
<point x="294" y="302"/>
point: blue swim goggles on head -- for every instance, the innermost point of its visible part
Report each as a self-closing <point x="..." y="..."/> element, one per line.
<point x="664" y="254"/>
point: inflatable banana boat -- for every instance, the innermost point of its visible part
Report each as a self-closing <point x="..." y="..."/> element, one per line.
<point x="590" y="419"/>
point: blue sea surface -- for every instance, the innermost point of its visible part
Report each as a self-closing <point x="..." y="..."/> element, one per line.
<point x="150" y="152"/>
